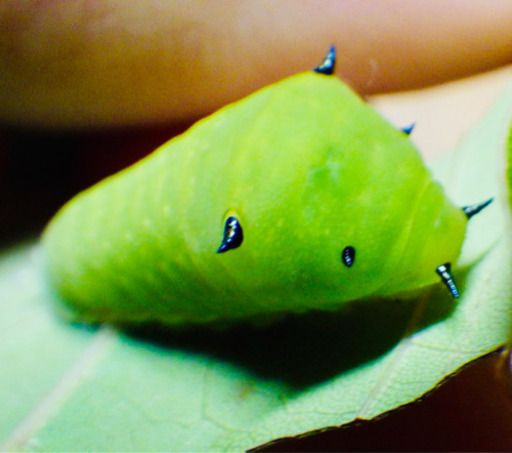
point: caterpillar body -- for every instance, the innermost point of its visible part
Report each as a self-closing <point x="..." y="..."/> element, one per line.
<point x="298" y="197"/>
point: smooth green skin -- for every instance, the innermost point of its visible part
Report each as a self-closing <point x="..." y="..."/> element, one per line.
<point x="306" y="167"/>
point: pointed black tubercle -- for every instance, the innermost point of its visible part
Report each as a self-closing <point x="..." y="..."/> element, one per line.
<point x="470" y="211"/>
<point x="327" y="66"/>
<point x="408" y="129"/>
<point x="233" y="235"/>
<point x="444" y="271"/>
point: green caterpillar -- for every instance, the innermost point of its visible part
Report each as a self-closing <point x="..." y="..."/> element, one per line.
<point x="298" y="197"/>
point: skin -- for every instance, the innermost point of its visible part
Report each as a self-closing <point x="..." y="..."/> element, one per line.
<point x="86" y="64"/>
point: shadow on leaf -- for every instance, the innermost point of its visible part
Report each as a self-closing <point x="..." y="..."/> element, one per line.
<point x="303" y="350"/>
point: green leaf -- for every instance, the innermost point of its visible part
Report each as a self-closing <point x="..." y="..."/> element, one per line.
<point x="72" y="387"/>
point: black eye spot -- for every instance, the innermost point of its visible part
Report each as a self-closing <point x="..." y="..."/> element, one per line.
<point x="348" y="256"/>
<point x="233" y="235"/>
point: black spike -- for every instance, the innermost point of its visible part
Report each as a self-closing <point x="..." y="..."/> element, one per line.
<point x="444" y="271"/>
<point x="408" y="129"/>
<point x="470" y="211"/>
<point x="233" y="235"/>
<point x="327" y="65"/>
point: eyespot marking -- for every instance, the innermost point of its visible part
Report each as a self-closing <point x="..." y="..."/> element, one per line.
<point x="348" y="256"/>
<point x="233" y="235"/>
